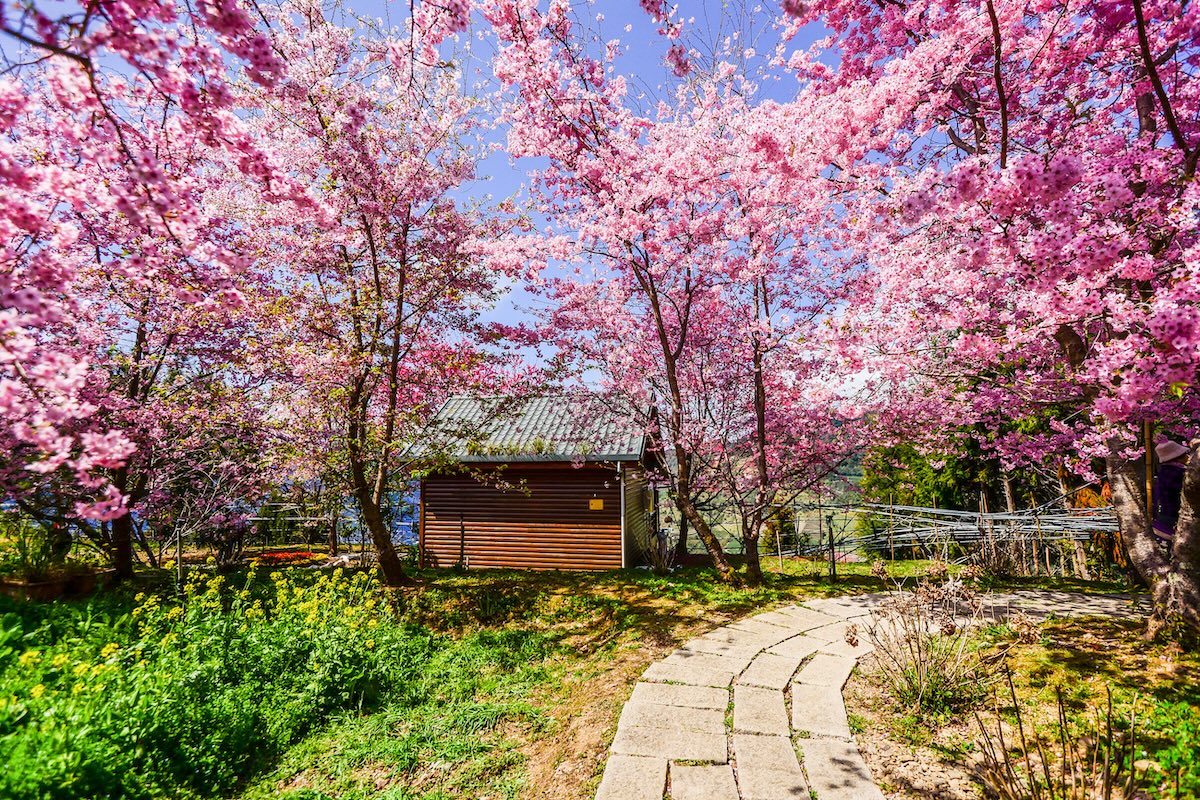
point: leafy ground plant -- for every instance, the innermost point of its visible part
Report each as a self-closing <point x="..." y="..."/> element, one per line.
<point x="186" y="698"/>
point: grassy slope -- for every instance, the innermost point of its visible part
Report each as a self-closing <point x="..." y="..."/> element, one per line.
<point x="527" y="677"/>
<point x="602" y="629"/>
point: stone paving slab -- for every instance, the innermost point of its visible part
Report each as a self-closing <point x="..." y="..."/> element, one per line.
<point x="844" y="648"/>
<point x="836" y="770"/>
<point x="655" y="715"/>
<point x="770" y="670"/>
<point x="692" y="658"/>
<point x="785" y="619"/>
<point x="633" y="778"/>
<point x="824" y="669"/>
<point x="699" y="669"/>
<point x="767" y="768"/>
<point x="797" y="647"/>
<point x="1041" y="604"/>
<point x="660" y="672"/>
<point x="717" y="647"/>
<point x="769" y="634"/>
<point x="736" y="637"/>
<point x="703" y="783"/>
<point x="683" y="696"/>
<point x="757" y="710"/>
<point x="832" y="633"/>
<point x="807" y="618"/>
<point x="676" y="745"/>
<point x="819" y="710"/>
<point x="847" y="607"/>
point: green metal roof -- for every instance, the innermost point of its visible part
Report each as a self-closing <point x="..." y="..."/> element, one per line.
<point x="552" y="428"/>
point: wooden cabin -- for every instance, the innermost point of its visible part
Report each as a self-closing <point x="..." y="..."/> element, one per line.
<point x="540" y="483"/>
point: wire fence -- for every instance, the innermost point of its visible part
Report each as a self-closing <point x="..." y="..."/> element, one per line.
<point x="1047" y="540"/>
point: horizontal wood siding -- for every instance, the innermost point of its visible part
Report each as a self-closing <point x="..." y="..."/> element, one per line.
<point x="548" y="526"/>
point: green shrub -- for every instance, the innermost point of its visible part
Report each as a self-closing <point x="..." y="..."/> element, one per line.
<point x="1176" y="727"/>
<point x="187" y="699"/>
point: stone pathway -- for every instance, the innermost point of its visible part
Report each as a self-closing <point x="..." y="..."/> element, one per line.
<point x="754" y="711"/>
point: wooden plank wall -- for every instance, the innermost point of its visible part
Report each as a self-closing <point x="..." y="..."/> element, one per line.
<point x="548" y="527"/>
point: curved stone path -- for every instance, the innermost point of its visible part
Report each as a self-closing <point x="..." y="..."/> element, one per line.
<point x="754" y="711"/>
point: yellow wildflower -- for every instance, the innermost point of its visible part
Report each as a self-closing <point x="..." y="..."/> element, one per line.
<point x="60" y="660"/>
<point x="80" y="669"/>
<point x="109" y="650"/>
<point x="175" y="613"/>
<point x="37" y="691"/>
<point x="29" y="658"/>
<point x="370" y="644"/>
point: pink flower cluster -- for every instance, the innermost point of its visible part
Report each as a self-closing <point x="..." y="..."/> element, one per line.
<point x="678" y="61"/>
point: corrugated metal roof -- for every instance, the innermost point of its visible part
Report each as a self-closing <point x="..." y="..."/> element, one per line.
<point x="553" y="428"/>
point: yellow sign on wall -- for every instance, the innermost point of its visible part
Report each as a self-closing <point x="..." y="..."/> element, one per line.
<point x="596" y="504"/>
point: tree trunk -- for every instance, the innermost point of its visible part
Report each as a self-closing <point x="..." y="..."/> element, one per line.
<point x="1174" y="580"/>
<point x="681" y="544"/>
<point x="764" y="493"/>
<point x="122" y="533"/>
<point x="390" y="567"/>
<point x="754" y="575"/>
<point x="719" y="557"/>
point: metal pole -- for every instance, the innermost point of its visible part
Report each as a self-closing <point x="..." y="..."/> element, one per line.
<point x="832" y="550"/>
<point x="796" y="525"/>
<point x="779" y="540"/>
<point x="1148" y="435"/>
<point x="820" y="522"/>
<point x="462" y="542"/>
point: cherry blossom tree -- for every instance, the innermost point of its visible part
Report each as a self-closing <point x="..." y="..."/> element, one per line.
<point x="688" y="283"/>
<point x="1020" y="181"/>
<point x="117" y="117"/>
<point x="384" y="283"/>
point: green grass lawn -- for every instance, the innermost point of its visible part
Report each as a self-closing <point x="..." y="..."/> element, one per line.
<point x="310" y="684"/>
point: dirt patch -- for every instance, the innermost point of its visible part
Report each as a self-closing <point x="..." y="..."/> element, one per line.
<point x="567" y="763"/>
<point x="930" y="765"/>
<point x="570" y="760"/>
